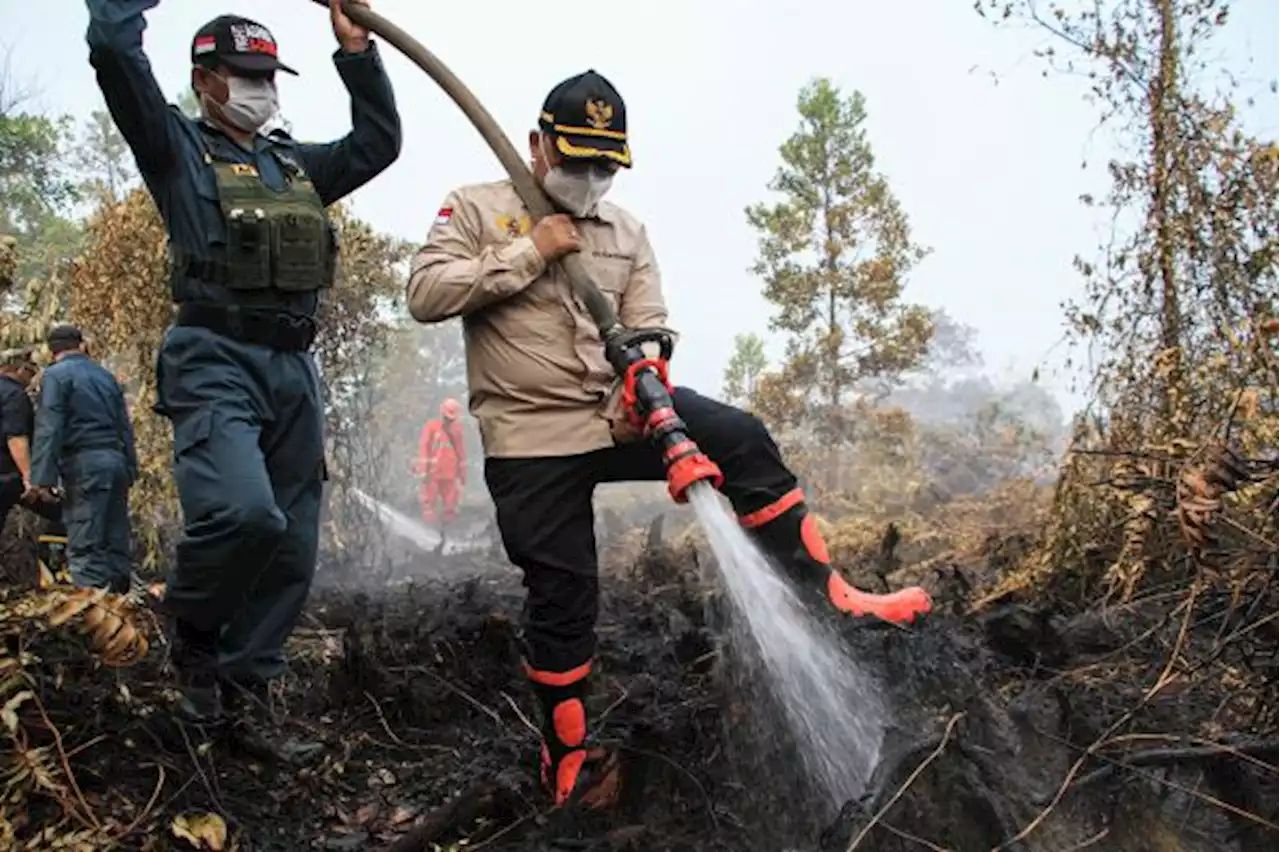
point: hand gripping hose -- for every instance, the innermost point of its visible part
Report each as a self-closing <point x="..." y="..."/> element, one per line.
<point x="646" y="392"/>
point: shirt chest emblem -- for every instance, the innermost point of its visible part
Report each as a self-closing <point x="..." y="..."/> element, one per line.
<point x="514" y="226"/>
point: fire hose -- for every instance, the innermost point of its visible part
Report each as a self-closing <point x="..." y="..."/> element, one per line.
<point x="646" y="390"/>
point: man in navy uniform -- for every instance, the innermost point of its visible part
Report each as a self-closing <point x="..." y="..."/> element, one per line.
<point x="83" y="437"/>
<point x="251" y="251"/>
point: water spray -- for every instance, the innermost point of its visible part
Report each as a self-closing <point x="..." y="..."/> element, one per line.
<point x="646" y="391"/>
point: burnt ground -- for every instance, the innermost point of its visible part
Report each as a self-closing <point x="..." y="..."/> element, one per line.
<point x="415" y="691"/>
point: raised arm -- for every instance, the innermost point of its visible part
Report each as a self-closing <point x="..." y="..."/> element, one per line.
<point x="453" y="276"/>
<point x="50" y="428"/>
<point x="339" y="168"/>
<point x="134" y="99"/>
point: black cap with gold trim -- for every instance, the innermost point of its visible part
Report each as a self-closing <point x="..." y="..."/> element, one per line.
<point x="588" y="118"/>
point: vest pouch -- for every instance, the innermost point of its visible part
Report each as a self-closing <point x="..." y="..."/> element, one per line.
<point x="300" y="246"/>
<point x="248" y="250"/>
<point x="331" y="252"/>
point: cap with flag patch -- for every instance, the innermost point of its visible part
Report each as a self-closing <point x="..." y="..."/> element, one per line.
<point x="588" y="118"/>
<point x="240" y="44"/>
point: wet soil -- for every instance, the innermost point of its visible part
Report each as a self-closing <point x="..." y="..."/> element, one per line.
<point x="415" y="692"/>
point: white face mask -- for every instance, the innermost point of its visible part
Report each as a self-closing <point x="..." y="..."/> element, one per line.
<point x="577" y="192"/>
<point x="251" y="103"/>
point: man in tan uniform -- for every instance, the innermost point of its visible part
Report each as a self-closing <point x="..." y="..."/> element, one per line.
<point x="547" y="401"/>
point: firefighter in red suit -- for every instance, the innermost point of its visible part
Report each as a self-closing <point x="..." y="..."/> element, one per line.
<point x="442" y="464"/>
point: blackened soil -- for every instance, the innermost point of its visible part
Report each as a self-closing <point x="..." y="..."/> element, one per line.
<point x="417" y="696"/>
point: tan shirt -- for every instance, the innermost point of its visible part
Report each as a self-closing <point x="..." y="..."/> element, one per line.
<point x="539" y="381"/>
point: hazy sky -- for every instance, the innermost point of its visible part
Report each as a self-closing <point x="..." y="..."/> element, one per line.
<point x="988" y="173"/>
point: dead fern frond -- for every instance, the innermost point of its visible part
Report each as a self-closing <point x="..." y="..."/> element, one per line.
<point x="1128" y="569"/>
<point x="29" y="770"/>
<point x="1200" y="490"/>
<point x="108" y="620"/>
<point x="114" y="626"/>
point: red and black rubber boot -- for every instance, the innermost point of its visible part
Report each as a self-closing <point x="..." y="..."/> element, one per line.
<point x="571" y="771"/>
<point x="790" y="534"/>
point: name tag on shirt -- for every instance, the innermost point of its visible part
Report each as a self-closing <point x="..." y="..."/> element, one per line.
<point x="613" y="255"/>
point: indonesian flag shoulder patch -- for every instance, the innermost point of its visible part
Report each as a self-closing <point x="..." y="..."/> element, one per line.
<point x="445" y="214"/>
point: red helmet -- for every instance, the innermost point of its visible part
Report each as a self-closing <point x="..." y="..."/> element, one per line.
<point x="450" y="409"/>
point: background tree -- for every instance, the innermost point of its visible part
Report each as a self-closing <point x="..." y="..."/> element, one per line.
<point x="970" y="432"/>
<point x="950" y="383"/>
<point x="105" y="164"/>
<point x="953" y="349"/>
<point x="742" y="373"/>
<point x="37" y="193"/>
<point x="1175" y="303"/>
<point x="35" y="178"/>
<point x="834" y="254"/>
<point x="356" y="324"/>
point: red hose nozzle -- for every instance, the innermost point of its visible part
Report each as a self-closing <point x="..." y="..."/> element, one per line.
<point x="685" y="471"/>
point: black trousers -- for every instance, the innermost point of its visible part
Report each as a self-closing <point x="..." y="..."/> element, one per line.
<point x="545" y="516"/>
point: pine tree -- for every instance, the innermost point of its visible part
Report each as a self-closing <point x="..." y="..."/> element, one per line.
<point x="742" y="373"/>
<point x="834" y="254"/>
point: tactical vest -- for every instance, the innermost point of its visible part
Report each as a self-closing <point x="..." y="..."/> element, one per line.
<point x="279" y="239"/>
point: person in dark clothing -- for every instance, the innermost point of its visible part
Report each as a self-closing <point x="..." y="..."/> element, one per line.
<point x="551" y="412"/>
<point x="252" y="248"/>
<point x="17" y="423"/>
<point x="83" y="437"/>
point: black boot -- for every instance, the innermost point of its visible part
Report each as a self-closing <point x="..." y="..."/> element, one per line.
<point x="255" y="728"/>
<point x="571" y="771"/>
<point x="195" y="659"/>
<point x="794" y="540"/>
